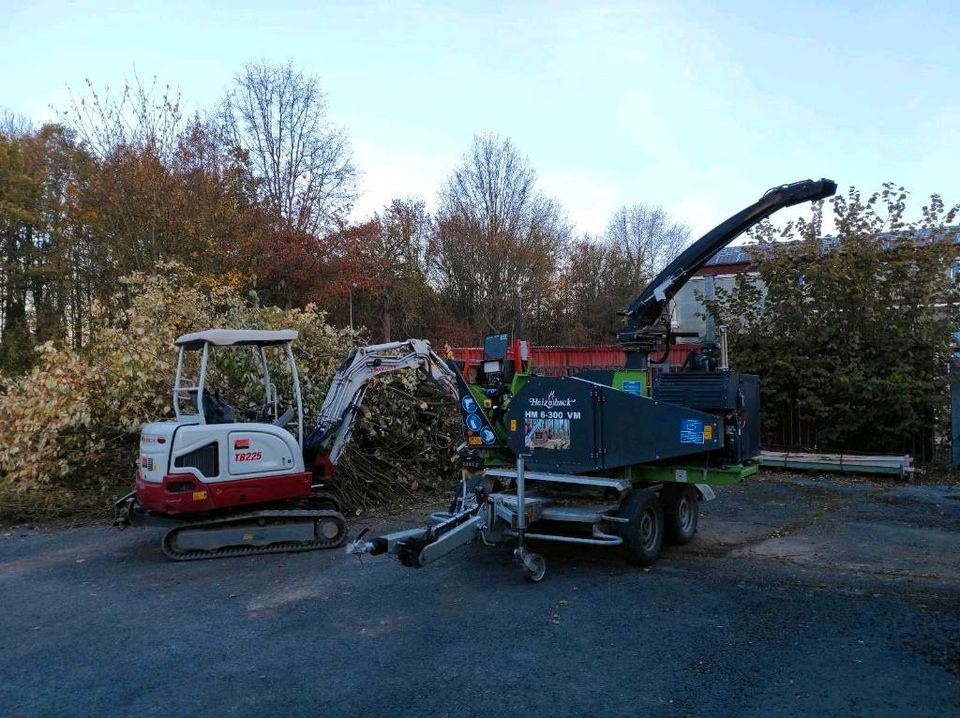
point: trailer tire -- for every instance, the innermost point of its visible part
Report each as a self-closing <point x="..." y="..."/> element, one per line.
<point x="682" y="515"/>
<point x="535" y="568"/>
<point x="643" y="532"/>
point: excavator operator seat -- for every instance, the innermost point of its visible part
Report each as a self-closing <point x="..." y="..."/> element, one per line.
<point x="215" y="410"/>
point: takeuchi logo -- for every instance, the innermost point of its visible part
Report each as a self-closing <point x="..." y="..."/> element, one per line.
<point x="551" y="401"/>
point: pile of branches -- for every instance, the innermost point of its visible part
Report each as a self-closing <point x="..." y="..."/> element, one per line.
<point x="403" y="449"/>
<point x="105" y="473"/>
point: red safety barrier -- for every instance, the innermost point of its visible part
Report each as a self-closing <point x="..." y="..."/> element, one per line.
<point x="565" y="360"/>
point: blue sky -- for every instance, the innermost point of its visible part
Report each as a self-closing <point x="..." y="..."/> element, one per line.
<point x="698" y="107"/>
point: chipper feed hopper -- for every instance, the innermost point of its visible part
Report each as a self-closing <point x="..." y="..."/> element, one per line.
<point x="602" y="458"/>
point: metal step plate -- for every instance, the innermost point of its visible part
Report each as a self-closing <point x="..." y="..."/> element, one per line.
<point x="577" y="513"/>
<point x="573" y="479"/>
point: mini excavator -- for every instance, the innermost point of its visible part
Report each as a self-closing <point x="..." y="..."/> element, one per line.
<point x="602" y="458"/>
<point x="231" y="486"/>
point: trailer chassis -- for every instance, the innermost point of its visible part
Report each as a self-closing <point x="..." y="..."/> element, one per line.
<point x="552" y="511"/>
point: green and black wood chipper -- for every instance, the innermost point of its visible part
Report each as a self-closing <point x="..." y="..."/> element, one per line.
<point x="603" y="457"/>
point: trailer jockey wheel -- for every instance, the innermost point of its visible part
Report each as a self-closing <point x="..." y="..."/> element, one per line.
<point x="643" y="532"/>
<point x="534" y="567"/>
<point x="682" y="514"/>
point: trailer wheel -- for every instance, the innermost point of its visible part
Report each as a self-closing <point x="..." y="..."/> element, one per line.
<point x="534" y="567"/>
<point x="643" y="532"/>
<point x="682" y="515"/>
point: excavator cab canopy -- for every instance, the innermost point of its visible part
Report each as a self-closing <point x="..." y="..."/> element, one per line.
<point x="236" y="337"/>
<point x="193" y="402"/>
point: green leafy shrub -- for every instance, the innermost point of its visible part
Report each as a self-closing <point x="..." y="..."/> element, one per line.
<point x="851" y="337"/>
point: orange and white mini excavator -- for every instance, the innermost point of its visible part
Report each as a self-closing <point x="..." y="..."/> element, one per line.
<point x="229" y="486"/>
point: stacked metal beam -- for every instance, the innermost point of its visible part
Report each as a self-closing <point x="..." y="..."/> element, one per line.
<point x="839" y="463"/>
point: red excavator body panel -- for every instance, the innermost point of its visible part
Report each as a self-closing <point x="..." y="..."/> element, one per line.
<point x="186" y="494"/>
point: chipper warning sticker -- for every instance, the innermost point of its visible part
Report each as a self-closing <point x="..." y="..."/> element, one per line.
<point x="547" y="434"/>
<point x="691" y="431"/>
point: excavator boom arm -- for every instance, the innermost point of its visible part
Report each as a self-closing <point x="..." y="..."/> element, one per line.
<point x="345" y="396"/>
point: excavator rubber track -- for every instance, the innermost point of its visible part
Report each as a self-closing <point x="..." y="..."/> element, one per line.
<point x="256" y="532"/>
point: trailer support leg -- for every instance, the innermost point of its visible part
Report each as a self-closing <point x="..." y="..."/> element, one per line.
<point x="533" y="565"/>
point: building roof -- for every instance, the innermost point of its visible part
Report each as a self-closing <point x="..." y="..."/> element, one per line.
<point x="730" y="255"/>
<point x="236" y="337"/>
<point x="740" y="254"/>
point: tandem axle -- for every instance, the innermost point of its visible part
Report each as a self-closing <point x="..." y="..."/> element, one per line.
<point x="504" y="505"/>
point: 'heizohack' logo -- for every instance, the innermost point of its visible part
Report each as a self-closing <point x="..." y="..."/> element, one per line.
<point x="551" y="402"/>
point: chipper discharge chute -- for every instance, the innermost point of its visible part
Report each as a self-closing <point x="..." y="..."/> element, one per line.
<point x="603" y="457"/>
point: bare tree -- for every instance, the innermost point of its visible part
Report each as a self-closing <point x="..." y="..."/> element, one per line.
<point x="13" y="124"/>
<point x="278" y="116"/>
<point x="141" y="116"/>
<point x="648" y="238"/>
<point x="498" y="240"/>
<point x="597" y="282"/>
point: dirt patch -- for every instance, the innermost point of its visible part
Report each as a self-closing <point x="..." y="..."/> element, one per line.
<point x="268" y="604"/>
<point x="939" y="648"/>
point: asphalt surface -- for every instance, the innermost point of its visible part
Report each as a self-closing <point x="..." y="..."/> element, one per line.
<point x="797" y="597"/>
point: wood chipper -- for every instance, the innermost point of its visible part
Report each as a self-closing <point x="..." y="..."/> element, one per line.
<point x="602" y="458"/>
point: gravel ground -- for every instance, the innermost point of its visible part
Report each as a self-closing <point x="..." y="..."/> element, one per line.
<point x="799" y="596"/>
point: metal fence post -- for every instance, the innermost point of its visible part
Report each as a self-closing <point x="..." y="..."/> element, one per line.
<point x="955" y="419"/>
